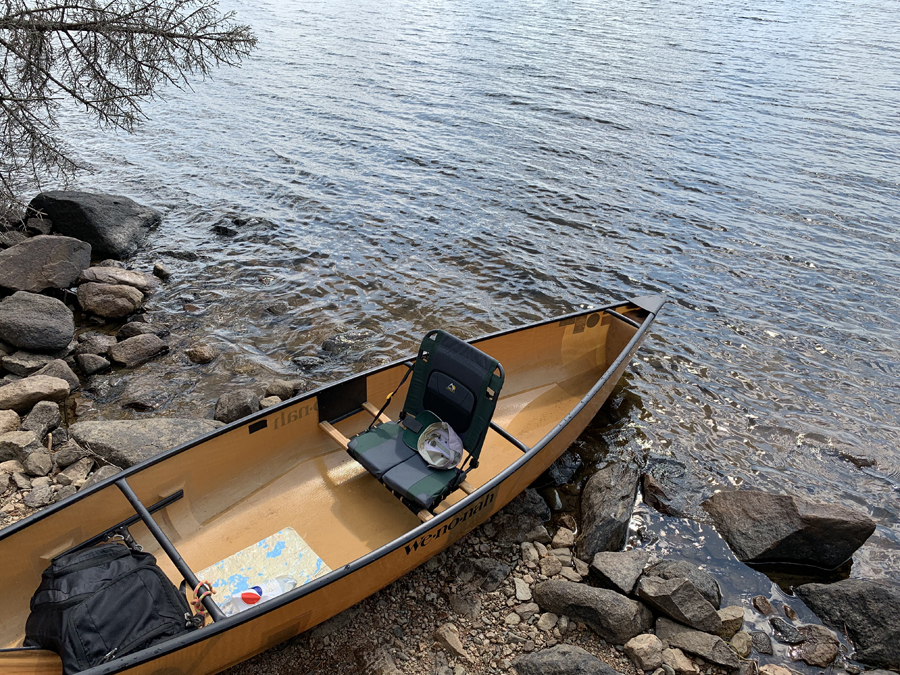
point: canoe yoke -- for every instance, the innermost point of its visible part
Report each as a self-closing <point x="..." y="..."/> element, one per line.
<point x="451" y="379"/>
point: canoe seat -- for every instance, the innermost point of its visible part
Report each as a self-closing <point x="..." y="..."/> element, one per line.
<point x="460" y="385"/>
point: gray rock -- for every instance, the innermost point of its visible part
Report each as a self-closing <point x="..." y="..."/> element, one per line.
<point x="9" y="421"/>
<point x="529" y="503"/>
<point x="732" y="620"/>
<point x="11" y="466"/>
<point x="38" y="463"/>
<point x="17" y="445"/>
<point x="869" y="611"/>
<point x="76" y="473"/>
<point x="562" y="471"/>
<point x="762" y="643"/>
<point x="40" y="495"/>
<point x="68" y="454"/>
<point x="100" y="474"/>
<point x="645" y="651"/>
<point x="65" y="491"/>
<point x="38" y="226"/>
<point x="490" y="573"/>
<point x="43" y="262"/>
<point x="561" y="659"/>
<point x="43" y="419"/>
<point x="606" y="505"/>
<point x="114" y="226"/>
<point x="5" y="480"/>
<point x="21" y="480"/>
<point x="94" y="343"/>
<point x="91" y="364"/>
<point x="280" y="388"/>
<point x="113" y="275"/>
<point x="784" y="632"/>
<point x="666" y="628"/>
<point x="8" y="239"/>
<point x="35" y="322"/>
<point x="465" y="605"/>
<point x="23" y="394"/>
<point x="762" y="527"/>
<point x="679" y="599"/>
<point x="127" y="442"/>
<point x="24" y="363"/>
<point x="710" y="647"/>
<point x="162" y="271"/>
<point x="109" y="300"/>
<point x="201" y="353"/>
<point x="612" y="616"/>
<point x="375" y="661"/>
<point x="704" y="581"/>
<point x="135" y="328"/>
<point x="137" y="350"/>
<point x="59" y="368"/>
<point x="235" y="405"/>
<point x="619" y="570"/>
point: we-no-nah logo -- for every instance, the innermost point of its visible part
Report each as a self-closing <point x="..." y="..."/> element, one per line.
<point x="465" y="520"/>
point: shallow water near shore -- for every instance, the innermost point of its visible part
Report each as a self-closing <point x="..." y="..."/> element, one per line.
<point x="405" y="166"/>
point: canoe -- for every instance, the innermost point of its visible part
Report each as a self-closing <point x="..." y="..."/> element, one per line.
<point x="279" y="489"/>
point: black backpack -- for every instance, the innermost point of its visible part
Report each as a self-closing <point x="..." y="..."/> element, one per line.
<point x="101" y="603"/>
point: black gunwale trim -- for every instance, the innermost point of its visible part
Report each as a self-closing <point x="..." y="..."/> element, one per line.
<point x="184" y="641"/>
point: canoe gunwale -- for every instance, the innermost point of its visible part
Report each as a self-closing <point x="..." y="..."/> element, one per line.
<point x="227" y="623"/>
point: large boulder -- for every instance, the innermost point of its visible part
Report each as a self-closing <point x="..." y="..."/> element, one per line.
<point x="868" y="611"/>
<point x="35" y="322"/>
<point x="115" y="275"/>
<point x="612" y="616"/>
<point x="114" y="226"/>
<point x="21" y="395"/>
<point x="762" y="527"/>
<point x="109" y="300"/>
<point x="607" y="502"/>
<point x="43" y="262"/>
<point x="127" y="442"/>
<point x="561" y="660"/>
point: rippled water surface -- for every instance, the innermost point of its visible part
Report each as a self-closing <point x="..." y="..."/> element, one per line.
<point x="478" y="165"/>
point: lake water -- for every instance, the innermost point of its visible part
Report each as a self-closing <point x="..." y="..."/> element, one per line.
<point x="479" y="165"/>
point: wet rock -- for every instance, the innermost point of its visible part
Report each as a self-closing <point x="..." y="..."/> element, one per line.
<point x="135" y="328"/>
<point x="606" y="505"/>
<point x="784" y="632"/>
<point x="100" y="474"/>
<point x="43" y="262"/>
<point x="447" y="636"/>
<point x="91" y="364"/>
<point x="235" y="405"/>
<point x="94" y="343"/>
<point x="762" y="604"/>
<point x="611" y="615"/>
<point x="619" y="570"/>
<point x="710" y="647"/>
<point x="76" y="473"/>
<point x="349" y="340"/>
<point x="763" y="527"/>
<point x="868" y="611"/>
<point x="9" y="421"/>
<point x="162" y="271"/>
<point x="680" y="600"/>
<point x="68" y="453"/>
<point x="17" y="445"/>
<point x="35" y="322"/>
<point x="127" y="442"/>
<point x="60" y="369"/>
<point x="741" y="642"/>
<point x="201" y="353"/>
<point x="562" y="471"/>
<point x="732" y="620"/>
<point x="146" y="393"/>
<point x="109" y="300"/>
<point x="307" y="362"/>
<point x="789" y="612"/>
<point x="703" y="581"/>
<point x="40" y="496"/>
<point x="114" y="226"/>
<point x="135" y="351"/>
<point x="224" y="228"/>
<point x="819" y="647"/>
<point x="43" y="419"/>
<point x="645" y="651"/>
<point x="678" y="662"/>
<point x="762" y="644"/>
<point x="24" y="363"/>
<point x="38" y="463"/>
<point x="561" y="659"/>
<point x="115" y="276"/>
<point x="858" y="458"/>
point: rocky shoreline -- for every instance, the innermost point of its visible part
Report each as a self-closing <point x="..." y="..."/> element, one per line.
<point x="520" y="594"/>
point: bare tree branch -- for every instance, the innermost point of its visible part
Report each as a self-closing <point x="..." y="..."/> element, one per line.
<point x="108" y="56"/>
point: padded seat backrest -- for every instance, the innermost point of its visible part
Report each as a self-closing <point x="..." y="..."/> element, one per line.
<point x="457" y="382"/>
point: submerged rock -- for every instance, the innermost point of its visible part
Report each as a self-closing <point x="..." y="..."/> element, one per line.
<point x="114" y="226"/>
<point x="127" y="442"/>
<point x="762" y="527"/>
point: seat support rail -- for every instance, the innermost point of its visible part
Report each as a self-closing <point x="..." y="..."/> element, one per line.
<point x="168" y="547"/>
<point x="508" y="436"/>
